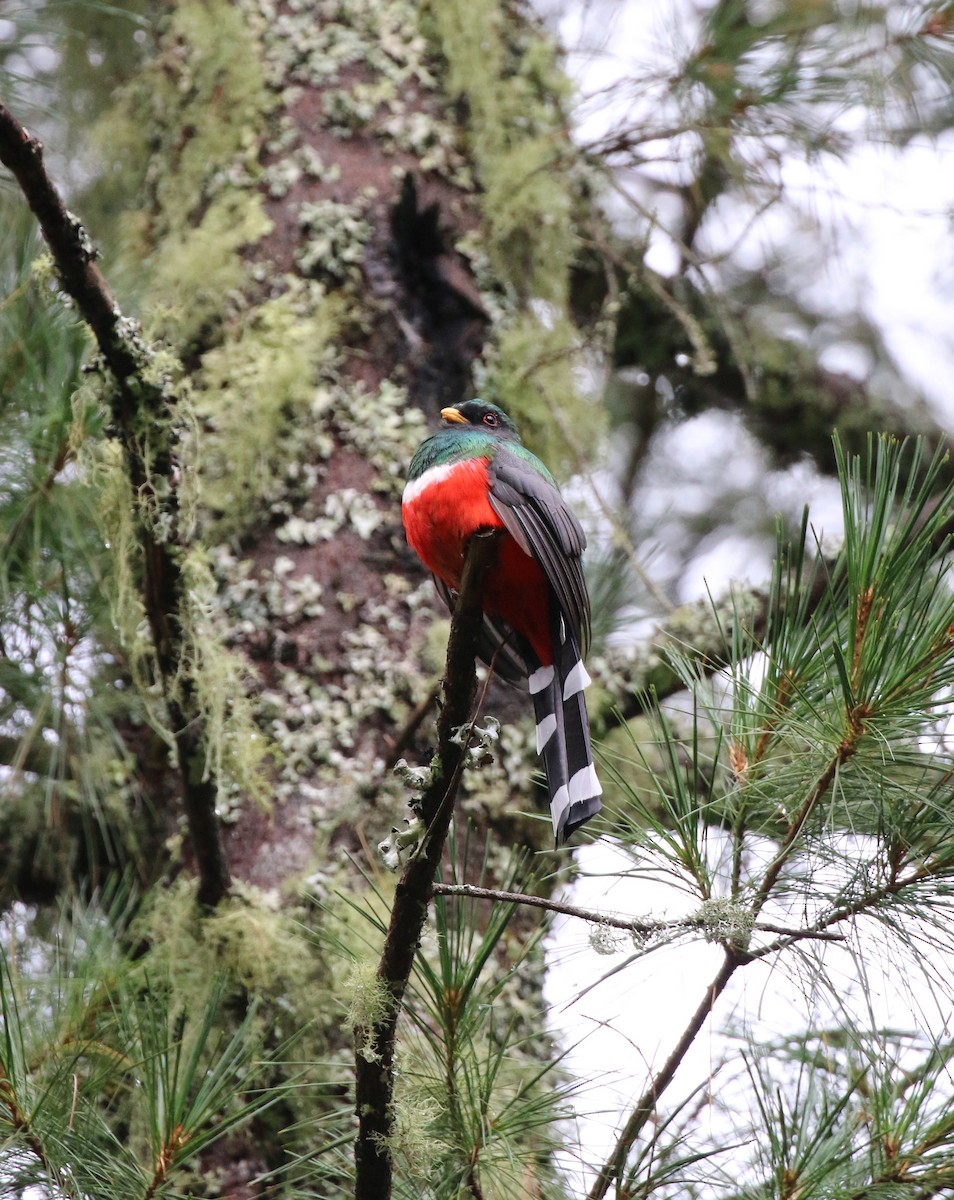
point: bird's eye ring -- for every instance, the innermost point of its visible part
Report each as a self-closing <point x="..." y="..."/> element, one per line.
<point x="490" y="419"/>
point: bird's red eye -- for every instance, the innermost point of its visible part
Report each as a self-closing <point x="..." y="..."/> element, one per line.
<point x="490" y="419"/>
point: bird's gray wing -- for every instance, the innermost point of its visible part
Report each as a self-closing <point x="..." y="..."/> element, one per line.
<point x="537" y="517"/>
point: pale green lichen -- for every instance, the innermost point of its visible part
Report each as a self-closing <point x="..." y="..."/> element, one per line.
<point x="103" y="466"/>
<point x="509" y="77"/>
<point x="345" y="508"/>
<point x="250" y="940"/>
<point x="253" y="394"/>
<point x="250" y="603"/>
<point x="725" y="920"/>
<point x="213" y="677"/>
<point x="606" y="940"/>
<point x="371" y="1003"/>
<point x="196" y="270"/>
<point x="205" y="101"/>
<point x="415" y="1120"/>
<point x="400" y="844"/>
<point x="234" y="745"/>
<point x="210" y="99"/>
<point x="384" y="427"/>
<point x="333" y="240"/>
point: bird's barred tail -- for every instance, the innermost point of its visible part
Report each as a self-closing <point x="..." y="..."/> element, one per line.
<point x="563" y="738"/>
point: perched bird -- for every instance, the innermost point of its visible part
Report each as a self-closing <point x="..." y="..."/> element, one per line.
<point x="474" y="474"/>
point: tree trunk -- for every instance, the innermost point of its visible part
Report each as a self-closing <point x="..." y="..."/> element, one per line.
<point x="309" y="182"/>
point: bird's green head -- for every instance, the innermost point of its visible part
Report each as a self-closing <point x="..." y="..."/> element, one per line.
<point x="479" y="414"/>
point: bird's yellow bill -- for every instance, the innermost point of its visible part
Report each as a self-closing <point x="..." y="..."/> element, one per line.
<point x="452" y="415"/>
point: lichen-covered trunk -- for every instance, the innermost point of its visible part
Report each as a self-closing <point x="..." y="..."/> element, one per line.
<point x="334" y="199"/>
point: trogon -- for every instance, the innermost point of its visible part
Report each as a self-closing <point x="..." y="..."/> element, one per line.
<point x="475" y="474"/>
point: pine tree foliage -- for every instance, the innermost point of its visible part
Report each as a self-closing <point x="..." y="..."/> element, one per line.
<point x="804" y="792"/>
<point x="61" y="695"/>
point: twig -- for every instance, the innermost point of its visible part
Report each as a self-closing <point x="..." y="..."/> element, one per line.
<point x="413" y="723"/>
<point x="374" y="1057"/>
<point x="797" y="824"/>
<point x="143" y="402"/>
<point x="630" y="924"/>
<point x="646" y="1106"/>
<point x="734" y="958"/>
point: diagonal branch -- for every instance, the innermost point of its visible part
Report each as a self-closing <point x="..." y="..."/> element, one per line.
<point x="143" y="401"/>
<point x="734" y="958"/>
<point x="374" y="1056"/>
<point x="646" y="1105"/>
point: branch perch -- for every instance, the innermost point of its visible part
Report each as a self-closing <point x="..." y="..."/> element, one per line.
<point x="143" y="403"/>
<point x="374" y="1045"/>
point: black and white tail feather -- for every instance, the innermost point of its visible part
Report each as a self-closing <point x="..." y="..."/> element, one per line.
<point x="563" y="736"/>
<point x="562" y="725"/>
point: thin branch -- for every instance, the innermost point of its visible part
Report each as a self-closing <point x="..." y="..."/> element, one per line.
<point x="374" y="1054"/>
<point x="734" y="958"/>
<point x="629" y="924"/>
<point x="797" y="824"/>
<point x="142" y="401"/>
<point x="646" y="1106"/>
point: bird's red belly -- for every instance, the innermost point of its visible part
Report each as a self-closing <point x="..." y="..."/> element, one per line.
<point x="442" y="513"/>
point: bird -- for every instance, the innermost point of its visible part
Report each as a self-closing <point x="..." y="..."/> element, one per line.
<point x="475" y="474"/>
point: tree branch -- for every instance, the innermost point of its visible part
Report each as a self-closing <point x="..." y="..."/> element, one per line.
<point x="789" y="401"/>
<point x="646" y="1106"/>
<point x="143" y="403"/>
<point x="374" y="1044"/>
<point x="629" y="924"/>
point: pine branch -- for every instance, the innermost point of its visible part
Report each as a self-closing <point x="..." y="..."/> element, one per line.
<point x="23" y="1128"/>
<point x="143" y="403"/>
<point x="374" y="1044"/>
<point x="735" y="957"/>
<point x="790" y="838"/>
<point x="629" y="924"/>
<point x="646" y="1106"/>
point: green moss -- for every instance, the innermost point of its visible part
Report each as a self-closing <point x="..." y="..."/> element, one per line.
<point x="257" y="948"/>
<point x="205" y="102"/>
<point x="527" y="204"/>
<point x="532" y="377"/>
<point x="253" y="393"/>
<point x="248" y="939"/>
<point x="509" y="79"/>
<point x="209" y="99"/>
<point x="195" y="269"/>
<point x="505" y="73"/>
